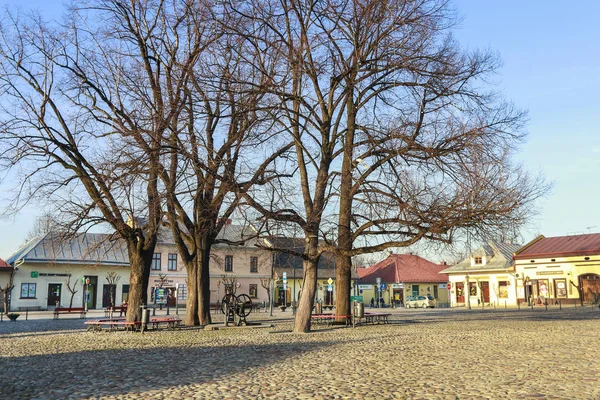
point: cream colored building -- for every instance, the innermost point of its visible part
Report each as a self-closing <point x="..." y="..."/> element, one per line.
<point x="485" y="278"/>
<point x="48" y="266"/>
<point x="562" y="269"/>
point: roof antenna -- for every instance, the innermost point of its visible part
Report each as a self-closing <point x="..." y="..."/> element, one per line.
<point x="590" y="227"/>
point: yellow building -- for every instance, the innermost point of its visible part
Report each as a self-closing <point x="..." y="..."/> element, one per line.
<point x="563" y="269"/>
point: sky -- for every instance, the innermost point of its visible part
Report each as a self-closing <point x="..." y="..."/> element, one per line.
<point x="551" y="67"/>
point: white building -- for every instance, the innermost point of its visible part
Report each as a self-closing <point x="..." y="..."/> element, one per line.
<point x="486" y="277"/>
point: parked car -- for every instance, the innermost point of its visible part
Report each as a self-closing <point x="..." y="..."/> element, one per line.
<point x="420" y="301"/>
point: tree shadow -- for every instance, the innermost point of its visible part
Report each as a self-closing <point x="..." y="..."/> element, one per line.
<point x="118" y="372"/>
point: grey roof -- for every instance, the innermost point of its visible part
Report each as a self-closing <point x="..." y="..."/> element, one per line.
<point x="230" y="235"/>
<point x="500" y="258"/>
<point x="83" y="248"/>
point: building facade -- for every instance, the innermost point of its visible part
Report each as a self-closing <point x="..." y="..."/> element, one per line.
<point x="400" y="276"/>
<point x="486" y="277"/>
<point x="562" y="269"/>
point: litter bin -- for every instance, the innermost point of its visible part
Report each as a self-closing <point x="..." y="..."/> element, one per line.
<point x="359" y="309"/>
<point x="318" y="308"/>
<point x="145" y="317"/>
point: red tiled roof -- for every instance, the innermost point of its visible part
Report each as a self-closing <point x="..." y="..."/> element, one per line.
<point x="403" y="268"/>
<point x="562" y="246"/>
<point x="4" y="265"/>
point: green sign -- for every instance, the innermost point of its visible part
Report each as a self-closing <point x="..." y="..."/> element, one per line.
<point x="356" y="298"/>
<point x="34" y="274"/>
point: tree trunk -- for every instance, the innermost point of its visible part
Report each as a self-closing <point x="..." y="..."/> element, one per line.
<point x="71" y="301"/>
<point x="191" y="312"/>
<point x="203" y="283"/>
<point x="343" y="274"/>
<point x="136" y="298"/>
<point x="309" y="289"/>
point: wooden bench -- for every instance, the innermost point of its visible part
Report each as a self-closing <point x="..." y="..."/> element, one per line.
<point x="330" y="319"/>
<point x="67" y="310"/>
<point x="171" y="322"/>
<point x="377" y="318"/>
<point x="112" y="310"/>
<point x="112" y="324"/>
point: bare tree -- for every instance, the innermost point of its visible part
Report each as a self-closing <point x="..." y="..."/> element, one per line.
<point x="43" y="225"/>
<point x="7" y="290"/>
<point x="88" y="107"/>
<point x="424" y="146"/>
<point x="112" y="278"/>
<point x="70" y="288"/>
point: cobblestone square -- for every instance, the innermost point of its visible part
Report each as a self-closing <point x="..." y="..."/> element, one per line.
<point x="446" y="354"/>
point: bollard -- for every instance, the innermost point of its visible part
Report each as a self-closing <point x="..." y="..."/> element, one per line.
<point x="167" y="309"/>
<point x="505" y="304"/>
<point x="560" y="304"/>
<point x="26" y="314"/>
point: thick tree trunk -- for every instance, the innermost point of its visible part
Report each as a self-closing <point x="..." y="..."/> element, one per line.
<point x="136" y="287"/>
<point x="343" y="274"/>
<point x="191" y="311"/>
<point x="203" y="283"/>
<point x="309" y="289"/>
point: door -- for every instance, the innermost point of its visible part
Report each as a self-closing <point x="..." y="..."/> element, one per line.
<point x="54" y="294"/>
<point x="460" y="292"/>
<point x="89" y="290"/>
<point x="590" y="288"/>
<point x="108" y="295"/>
<point x="485" y="291"/>
<point x="171" y="297"/>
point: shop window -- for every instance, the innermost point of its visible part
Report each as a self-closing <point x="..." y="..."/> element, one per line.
<point x="228" y="263"/>
<point x="156" y="261"/>
<point x="28" y="290"/>
<point x="125" y="295"/>
<point x="472" y="288"/>
<point x="503" y="289"/>
<point x="253" y="292"/>
<point x="182" y="292"/>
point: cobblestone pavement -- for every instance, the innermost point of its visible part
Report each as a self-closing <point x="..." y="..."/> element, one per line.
<point x="422" y="354"/>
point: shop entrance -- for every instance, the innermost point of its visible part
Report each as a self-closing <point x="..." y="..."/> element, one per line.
<point x="399" y="297"/>
<point x="54" y="294"/>
<point x="590" y="288"/>
<point x="460" y="292"/>
<point x="485" y="291"/>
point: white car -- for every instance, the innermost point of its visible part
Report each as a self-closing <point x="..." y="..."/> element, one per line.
<point x="420" y="301"/>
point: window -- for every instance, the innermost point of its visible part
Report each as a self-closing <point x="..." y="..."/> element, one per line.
<point x="478" y="260"/>
<point x="172" y="263"/>
<point x="560" y="287"/>
<point x="228" y="263"/>
<point x="503" y="289"/>
<point x="182" y="292"/>
<point x="125" y="293"/>
<point x="253" y="264"/>
<point x="28" y="290"/>
<point x="156" y="262"/>
<point x="253" y="291"/>
<point x="472" y="288"/>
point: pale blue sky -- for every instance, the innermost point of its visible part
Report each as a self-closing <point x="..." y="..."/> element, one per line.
<point x="551" y="59"/>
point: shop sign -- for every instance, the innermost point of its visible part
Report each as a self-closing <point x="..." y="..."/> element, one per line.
<point x="365" y="287"/>
<point x="34" y="274"/>
<point x="550" y="272"/>
<point x="397" y="285"/>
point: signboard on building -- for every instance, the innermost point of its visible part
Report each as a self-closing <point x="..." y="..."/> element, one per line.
<point x="34" y="274"/>
<point x="365" y="287"/>
<point x="356" y="298"/>
<point x="397" y="285"/>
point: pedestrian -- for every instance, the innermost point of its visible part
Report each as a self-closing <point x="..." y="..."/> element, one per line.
<point x="372" y="302"/>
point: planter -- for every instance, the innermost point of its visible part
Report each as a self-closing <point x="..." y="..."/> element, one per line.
<point x="283" y="308"/>
<point x="13" y="316"/>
